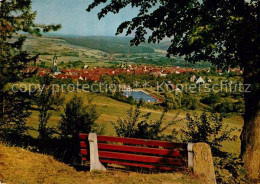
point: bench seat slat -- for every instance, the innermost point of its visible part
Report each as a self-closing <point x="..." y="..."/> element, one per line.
<point x="156" y="151"/>
<point x="83" y="136"/>
<point x="136" y="141"/>
<point x="83" y="144"/>
<point x="141" y="158"/>
<point x="84" y="152"/>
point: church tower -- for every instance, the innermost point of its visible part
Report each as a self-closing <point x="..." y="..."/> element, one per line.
<point x="55" y="70"/>
<point x="55" y="64"/>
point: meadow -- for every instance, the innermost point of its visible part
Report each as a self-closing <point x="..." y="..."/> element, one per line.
<point x="111" y="110"/>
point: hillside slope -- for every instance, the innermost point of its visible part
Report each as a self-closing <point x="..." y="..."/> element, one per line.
<point x="109" y="44"/>
<point x="21" y="166"/>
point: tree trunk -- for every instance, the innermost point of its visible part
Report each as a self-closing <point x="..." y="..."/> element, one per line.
<point x="1" y="105"/>
<point x="250" y="137"/>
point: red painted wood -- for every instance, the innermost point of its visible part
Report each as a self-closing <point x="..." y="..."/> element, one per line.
<point x="84" y="152"/>
<point x="135" y="141"/>
<point x="140" y="142"/>
<point x="157" y="151"/>
<point x="153" y="162"/>
<point x="140" y="158"/>
<point x="142" y="165"/>
<point x="83" y="136"/>
<point x="83" y="144"/>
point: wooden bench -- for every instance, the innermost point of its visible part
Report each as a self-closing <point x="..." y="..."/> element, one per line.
<point x="142" y="153"/>
<point x="159" y="155"/>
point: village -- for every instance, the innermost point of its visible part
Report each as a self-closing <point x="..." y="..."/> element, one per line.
<point x="94" y="74"/>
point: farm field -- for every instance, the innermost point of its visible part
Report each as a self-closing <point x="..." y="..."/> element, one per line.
<point x="67" y="52"/>
<point x="47" y="47"/>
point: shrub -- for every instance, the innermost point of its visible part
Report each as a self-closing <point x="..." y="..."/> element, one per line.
<point x="239" y="106"/>
<point x="119" y="96"/>
<point x="130" y="100"/>
<point x="77" y="118"/>
<point x="229" y="107"/>
<point x="45" y="100"/>
<point x="74" y="64"/>
<point x="224" y="107"/>
<point x="230" y="170"/>
<point x="45" y="53"/>
<point x="189" y="101"/>
<point x="42" y="64"/>
<point x="211" y="99"/>
<point x="16" y="111"/>
<point x="70" y="53"/>
<point x="137" y="125"/>
<point x="172" y="101"/>
<point x="209" y="129"/>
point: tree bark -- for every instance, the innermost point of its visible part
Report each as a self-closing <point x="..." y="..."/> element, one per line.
<point x="1" y="105"/>
<point x="250" y="137"/>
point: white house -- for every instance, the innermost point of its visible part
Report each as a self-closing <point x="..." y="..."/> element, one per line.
<point x="128" y="88"/>
<point x="162" y="74"/>
<point x="192" y="78"/>
<point x="200" y="81"/>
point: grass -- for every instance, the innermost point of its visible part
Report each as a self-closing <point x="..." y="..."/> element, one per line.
<point x="111" y="110"/>
<point x="19" y="166"/>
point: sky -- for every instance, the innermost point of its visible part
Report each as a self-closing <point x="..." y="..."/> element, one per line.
<point x="75" y="20"/>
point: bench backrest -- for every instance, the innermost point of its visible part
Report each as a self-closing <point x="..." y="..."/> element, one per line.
<point x="142" y="153"/>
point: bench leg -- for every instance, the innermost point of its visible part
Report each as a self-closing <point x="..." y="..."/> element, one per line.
<point x="190" y="155"/>
<point x="203" y="162"/>
<point x="95" y="164"/>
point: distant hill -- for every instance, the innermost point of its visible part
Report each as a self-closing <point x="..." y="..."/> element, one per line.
<point x="162" y="46"/>
<point x="109" y="44"/>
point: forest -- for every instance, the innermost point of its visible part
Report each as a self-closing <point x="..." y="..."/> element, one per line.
<point x="108" y="44"/>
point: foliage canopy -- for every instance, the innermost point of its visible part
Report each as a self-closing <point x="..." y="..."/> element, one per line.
<point x="222" y="32"/>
